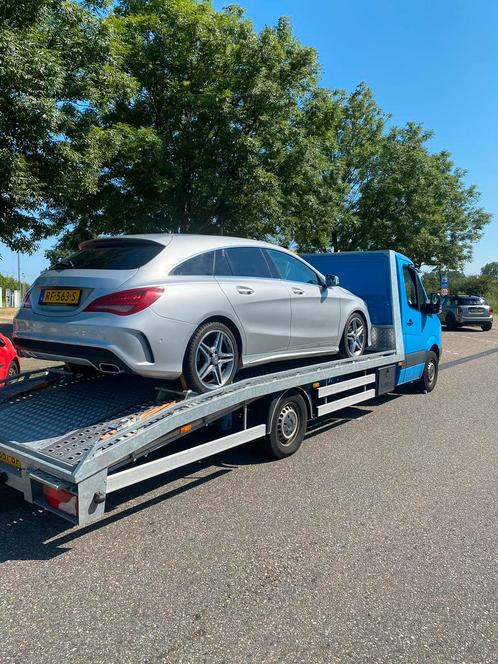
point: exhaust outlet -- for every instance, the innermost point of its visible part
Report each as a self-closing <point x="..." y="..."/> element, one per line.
<point x="107" y="367"/>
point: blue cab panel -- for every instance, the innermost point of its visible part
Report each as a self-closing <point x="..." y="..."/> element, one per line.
<point x="368" y="275"/>
<point x="421" y="330"/>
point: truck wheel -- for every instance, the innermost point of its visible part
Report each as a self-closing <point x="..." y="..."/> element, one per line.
<point x="287" y="426"/>
<point x="450" y="322"/>
<point x="212" y="357"/>
<point x="354" y="336"/>
<point x="486" y="327"/>
<point x="429" y="378"/>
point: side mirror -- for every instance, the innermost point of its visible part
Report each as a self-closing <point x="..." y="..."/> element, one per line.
<point x="331" y="280"/>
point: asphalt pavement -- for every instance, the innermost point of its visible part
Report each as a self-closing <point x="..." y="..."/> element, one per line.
<point x="376" y="542"/>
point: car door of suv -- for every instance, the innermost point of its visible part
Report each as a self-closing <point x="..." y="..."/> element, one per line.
<point x="316" y="310"/>
<point x="260" y="301"/>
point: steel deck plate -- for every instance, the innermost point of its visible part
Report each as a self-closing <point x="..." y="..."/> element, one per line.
<point x="63" y="421"/>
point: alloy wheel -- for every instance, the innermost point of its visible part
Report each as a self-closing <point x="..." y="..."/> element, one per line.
<point x="214" y="359"/>
<point x="356" y="336"/>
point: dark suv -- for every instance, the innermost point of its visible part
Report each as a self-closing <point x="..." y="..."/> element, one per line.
<point x="458" y="310"/>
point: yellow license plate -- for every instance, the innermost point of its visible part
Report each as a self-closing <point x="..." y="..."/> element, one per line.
<point x="69" y="296"/>
<point x="9" y="459"/>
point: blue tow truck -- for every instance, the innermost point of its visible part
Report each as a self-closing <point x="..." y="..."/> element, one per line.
<point x="68" y="440"/>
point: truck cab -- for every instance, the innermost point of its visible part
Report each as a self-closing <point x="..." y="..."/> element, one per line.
<point x="420" y="325"/>
<point x="403" y="316"/>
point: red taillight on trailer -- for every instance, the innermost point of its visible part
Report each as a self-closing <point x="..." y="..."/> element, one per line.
<point x="61" y="500"/>
<point x="126" y="302"/>
<point x="490" y="310"/>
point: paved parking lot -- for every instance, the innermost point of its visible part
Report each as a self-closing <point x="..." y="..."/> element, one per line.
<point x="376" y="542"/>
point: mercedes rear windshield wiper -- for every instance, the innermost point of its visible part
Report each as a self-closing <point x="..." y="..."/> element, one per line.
<point x="64" y="263"/>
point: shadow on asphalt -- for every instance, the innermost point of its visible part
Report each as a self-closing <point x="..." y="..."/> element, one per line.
<point x="469" y="358"/>
<point x="30" y="533"/>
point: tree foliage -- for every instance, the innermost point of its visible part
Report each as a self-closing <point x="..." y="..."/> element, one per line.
<point x="51" y="59"/>
<point x="166" y="115"/>
<point x="11" y="283"/>
<point x="418" y="203"/>
<point x="216" y="134"/>
<point x="484" y="285"/>
<point x="490" y="270"/>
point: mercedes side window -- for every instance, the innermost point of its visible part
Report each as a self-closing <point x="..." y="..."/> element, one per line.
<point x="410" y="286"/>
<point x="221" y="265"/>
<point x="248" y="262"/>
<point x="290" y="268"/>
<point x="197" y="266"/>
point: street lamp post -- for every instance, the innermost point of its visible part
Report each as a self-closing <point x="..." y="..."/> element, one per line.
<point x="19" y="270"/>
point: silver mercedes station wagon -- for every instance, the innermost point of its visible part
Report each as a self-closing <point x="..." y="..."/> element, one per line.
<point x="192" y="305"/>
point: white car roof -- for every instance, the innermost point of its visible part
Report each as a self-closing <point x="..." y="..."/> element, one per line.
<point x="183" y="245"/>
<point x="198" y="242"/>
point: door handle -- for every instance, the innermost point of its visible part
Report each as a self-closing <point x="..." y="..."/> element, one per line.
<point x="409" y="322"/>
<point x="298" y="291"/>
<point x="244" y="290"/>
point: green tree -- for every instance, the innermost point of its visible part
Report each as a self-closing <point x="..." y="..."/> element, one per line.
<point x="166" y="115"/>
<point x="223" y="131"/>
<point x="359" y="140"/>
<point x="53" y="59"/>
<point x="417" y="203"/>
<point x="490" y="270"/>
<point x="12" y="284"/>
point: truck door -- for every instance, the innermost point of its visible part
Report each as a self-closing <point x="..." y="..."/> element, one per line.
<point x="413" y="321"/>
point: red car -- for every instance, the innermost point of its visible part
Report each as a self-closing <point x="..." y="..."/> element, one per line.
<point x="9" y="362"/>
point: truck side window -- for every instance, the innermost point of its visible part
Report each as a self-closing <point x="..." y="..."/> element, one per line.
<point x="421" y="292"/>
<point x="410" y="286"/>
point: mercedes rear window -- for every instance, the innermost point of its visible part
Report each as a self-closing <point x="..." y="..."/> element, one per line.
<point x="124" y="256"/>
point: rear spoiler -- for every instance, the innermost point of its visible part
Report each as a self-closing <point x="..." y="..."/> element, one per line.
<point x="115" y="242"/>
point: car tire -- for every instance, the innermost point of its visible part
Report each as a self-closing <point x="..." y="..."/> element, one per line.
<point x="13" y="369"/>
<point x="212" y="358"/>
<point x="350" y="340"/>
<point x="450" y="322"/>
<point x="486" y="327"/>
<point x="287" y="426"/>
<point x="429" y="377"/>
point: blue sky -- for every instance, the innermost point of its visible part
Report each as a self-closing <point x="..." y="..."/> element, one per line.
<point x="431" y="61"/>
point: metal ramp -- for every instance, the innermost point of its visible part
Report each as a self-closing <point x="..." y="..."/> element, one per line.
<point x="79" y="426"/>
